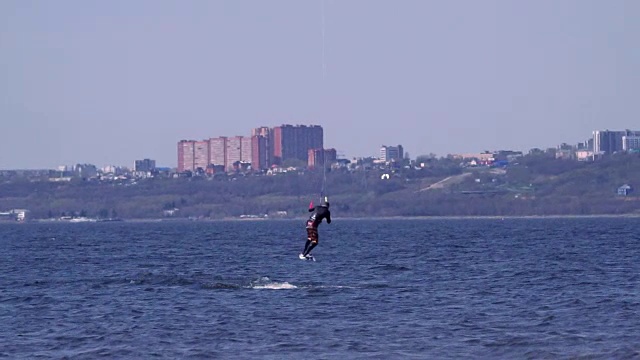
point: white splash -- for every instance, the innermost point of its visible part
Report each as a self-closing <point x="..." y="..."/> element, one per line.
<point x="275" y="286"/>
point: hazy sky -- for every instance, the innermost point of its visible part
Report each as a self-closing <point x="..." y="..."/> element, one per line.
<point x="108" y="82"/>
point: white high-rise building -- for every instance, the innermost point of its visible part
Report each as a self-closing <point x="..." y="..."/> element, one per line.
<point x="608" y="142"/>
<point x="391" y="153"/>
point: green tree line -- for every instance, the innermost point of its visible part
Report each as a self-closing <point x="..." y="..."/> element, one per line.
<point x="532" y="185"/>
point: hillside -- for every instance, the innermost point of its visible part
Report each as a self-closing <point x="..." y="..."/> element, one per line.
<point x="534" y="185"/>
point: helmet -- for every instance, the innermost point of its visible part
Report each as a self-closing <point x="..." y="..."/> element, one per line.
<point x="325" y="204"/>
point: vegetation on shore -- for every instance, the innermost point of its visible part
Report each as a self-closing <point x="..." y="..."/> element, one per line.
<point x="532" y="185"/>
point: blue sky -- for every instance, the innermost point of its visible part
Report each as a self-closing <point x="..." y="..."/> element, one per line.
<point x="108" y="82"/>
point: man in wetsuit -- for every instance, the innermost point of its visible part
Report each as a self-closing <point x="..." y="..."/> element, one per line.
<point x="319" y="213"/>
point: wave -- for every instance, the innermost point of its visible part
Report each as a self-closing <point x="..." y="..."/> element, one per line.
<point x="266" y="283"/>
<point x="217" y="282"/>
<point x="150" y="280"/>
<point x="275" y="286"/>
<point x="390" y="267"/>
<point x="203" y="282"/>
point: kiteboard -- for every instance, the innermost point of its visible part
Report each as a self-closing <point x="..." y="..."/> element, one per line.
<point x="308" y="257"/>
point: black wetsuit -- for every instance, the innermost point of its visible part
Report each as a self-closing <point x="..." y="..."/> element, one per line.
<point x="319" y="213"/>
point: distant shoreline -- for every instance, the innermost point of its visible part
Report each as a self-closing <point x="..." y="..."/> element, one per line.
<point x="374" y="218"/>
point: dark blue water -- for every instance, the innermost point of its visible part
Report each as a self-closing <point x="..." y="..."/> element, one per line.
<point x="481" y="288"/>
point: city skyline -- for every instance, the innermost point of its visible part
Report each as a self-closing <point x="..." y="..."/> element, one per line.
<point x="108" y="83"/>
<point x="263" y="148"/>
<point x="600" y="142"/>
